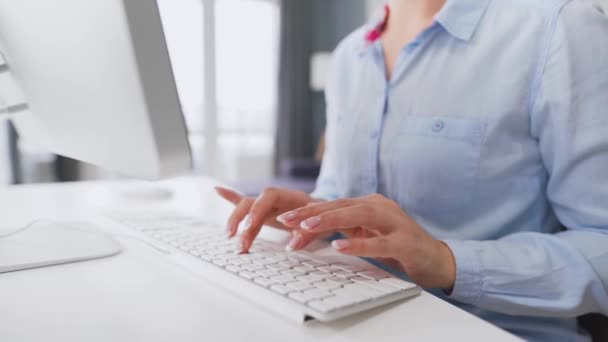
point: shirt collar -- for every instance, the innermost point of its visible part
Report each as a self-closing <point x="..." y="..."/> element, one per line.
<point x="460" y="18"/>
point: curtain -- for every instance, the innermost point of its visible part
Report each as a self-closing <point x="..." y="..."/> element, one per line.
<point x="294" y="118"/>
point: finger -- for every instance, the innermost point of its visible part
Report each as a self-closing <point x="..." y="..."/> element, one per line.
<point x="237" y="216"/>
<point x="378" y="247"/>
<point x="300" y="239"/>
<point x="295" y="217"/>
<point x="230" y="195"/>
<point x="262" y="208"/>
<point x="362" y="215"/>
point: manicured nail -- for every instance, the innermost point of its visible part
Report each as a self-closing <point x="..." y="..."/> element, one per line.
<point x="340" y="244"/>
<point x="242" y="246"/>
<point x="294" y="243"/>
<point x="310" y="223"/>
<point x="229" y="230"/>
<point x="288" y="216"/>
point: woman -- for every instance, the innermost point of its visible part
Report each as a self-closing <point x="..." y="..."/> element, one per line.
<point x="468" y="147"/>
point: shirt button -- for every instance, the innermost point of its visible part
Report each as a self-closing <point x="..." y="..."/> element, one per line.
<point x="374" y="135"/>
<point x="438" y="126"/>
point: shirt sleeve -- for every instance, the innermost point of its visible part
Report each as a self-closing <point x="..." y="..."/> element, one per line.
<point x="327" y="187"/>
<point x="563" y="274"/>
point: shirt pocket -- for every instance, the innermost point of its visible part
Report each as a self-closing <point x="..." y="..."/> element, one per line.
<point x="435" y="163"/>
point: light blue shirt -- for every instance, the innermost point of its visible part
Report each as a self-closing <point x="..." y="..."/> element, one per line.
<point x="493" y="135"/>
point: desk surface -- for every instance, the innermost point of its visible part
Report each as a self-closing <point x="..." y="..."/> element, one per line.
<point x="140" y="296"/>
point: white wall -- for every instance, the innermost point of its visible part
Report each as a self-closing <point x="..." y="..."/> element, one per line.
<point x="373" y="5"/>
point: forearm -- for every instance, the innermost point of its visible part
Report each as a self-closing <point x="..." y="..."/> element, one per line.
<point x="534" y="273"/>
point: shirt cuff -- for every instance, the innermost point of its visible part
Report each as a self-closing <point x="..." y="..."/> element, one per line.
<point x="469" y="282"/>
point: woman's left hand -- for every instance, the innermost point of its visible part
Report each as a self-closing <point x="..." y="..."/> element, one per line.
<point x="377" y="228"/>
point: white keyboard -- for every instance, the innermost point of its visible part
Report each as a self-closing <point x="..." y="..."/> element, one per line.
<point x="299" y="285"/>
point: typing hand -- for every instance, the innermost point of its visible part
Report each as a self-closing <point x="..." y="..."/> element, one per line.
<point x="376" y="227"/>
<point x="262" y="210"/>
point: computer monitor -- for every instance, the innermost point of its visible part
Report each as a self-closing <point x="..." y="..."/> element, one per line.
<point x="93" y="82"/>
<point x="96" y="83"/>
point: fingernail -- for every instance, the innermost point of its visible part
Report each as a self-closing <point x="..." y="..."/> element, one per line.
<point x="311" y="223"/>
<point x="229" y="230"/>
<point x="288" y="216"/>
<point x="340" y="244"/>
<point x="294" y="243"/>
<point x="242" y="246"/>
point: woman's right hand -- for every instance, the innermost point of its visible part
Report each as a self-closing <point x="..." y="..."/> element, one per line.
<point x="264" y="210"/>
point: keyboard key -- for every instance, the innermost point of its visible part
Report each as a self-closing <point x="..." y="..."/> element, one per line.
<point x="329" y="269"/>
<point x="283" y="279"/>
<point x="281" y="289"/>
<point x="251" y="257"/>
<point x="314" y="263"/>
<point x="265" y="261"/>
<point x="318" y="293"/>
<point x="248" y="275"/>
<point x="266" y="273"/>
<point x="327" y="285"/>
<point x="279" y="256"/>
<point x="277" y="267"/>
<point x="352" y="268"/>
<point x="264" y="281"/>
<point x="290" y="263"/>
<point x="292" y="273"/>
<point x="253" y="267"/>
<point x="320" y="275"/>
<point x="353" y="296"/>
<point x="374" y="284"/>
<point x="299" y="297"/>
<point x="339" y="280"/>
<point x="299" y="286"/>
<point x="345" y="274"/>
<point x="220" y="262"/>
<point x="304" y="269"/>
<point x="206" y="257"/>
<point x="398" y="283"/>
<point x="366" y="290"/>
<point x="375" y="274"/>
<point x="309" y="278"/>
<point x="296" y="257"/>
<point x="239" y="262"/>
<point x="234" y="269"/>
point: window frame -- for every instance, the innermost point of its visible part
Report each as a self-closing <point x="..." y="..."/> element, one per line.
<point x="210" y="131"/>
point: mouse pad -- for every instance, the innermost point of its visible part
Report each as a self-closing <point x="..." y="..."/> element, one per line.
<point x="52" y="243"/>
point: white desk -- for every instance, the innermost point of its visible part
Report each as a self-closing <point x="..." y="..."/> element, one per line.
<point x="139" y="296"/>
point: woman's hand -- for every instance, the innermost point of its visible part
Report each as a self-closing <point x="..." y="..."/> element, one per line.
<point x="262" y="210"/>
<point x="377" y="227"/>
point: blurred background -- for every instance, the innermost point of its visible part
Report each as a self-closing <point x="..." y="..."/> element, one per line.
<point x="251" y="77"/>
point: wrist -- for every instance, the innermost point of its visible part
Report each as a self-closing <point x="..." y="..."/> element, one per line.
<point x="446" y="267"/>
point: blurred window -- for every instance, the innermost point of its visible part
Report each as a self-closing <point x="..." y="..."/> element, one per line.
<point x="234" y="129"/>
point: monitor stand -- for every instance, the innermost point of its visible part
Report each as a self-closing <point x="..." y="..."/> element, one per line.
<point x="46" y="244"/>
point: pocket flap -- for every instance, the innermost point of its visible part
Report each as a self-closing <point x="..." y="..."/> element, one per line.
<point x="471" y="130"/>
